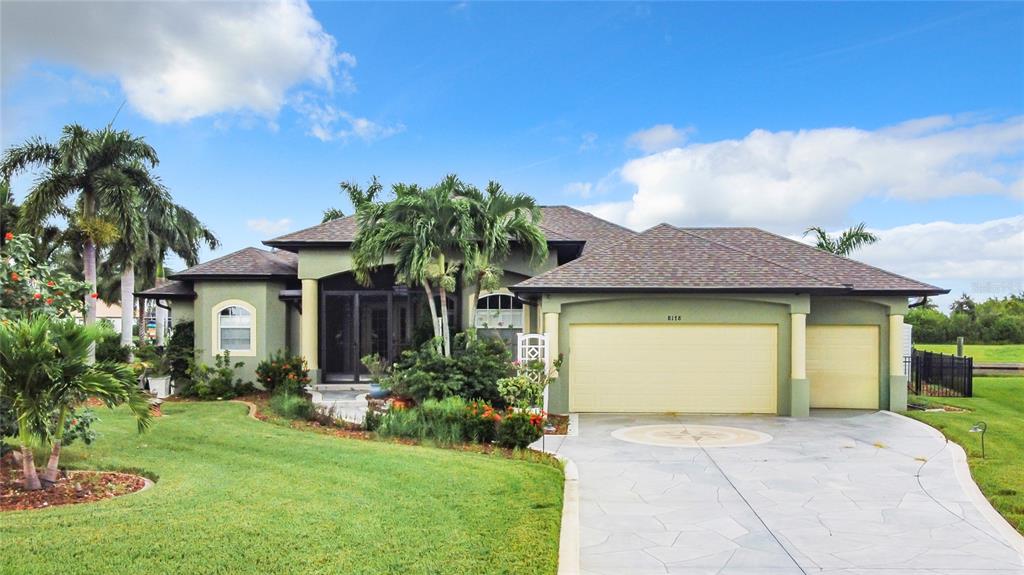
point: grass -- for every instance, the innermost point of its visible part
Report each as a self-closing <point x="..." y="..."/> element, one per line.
<point x="1011" y="353"/>
<point x="236" y="495"/>
<point x="999" y="402"/>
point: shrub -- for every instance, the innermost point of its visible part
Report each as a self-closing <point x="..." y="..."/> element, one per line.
<point x="108" y="346"/>
<point x="443" y="421"/>
<point x="471" y="373"/>
<point x="521" y="391"/>
<point x="181" y="352"/>
<point x="217" y="382"/>
<point x="28" y="286"/>
<point x="520" y="429"/>
<point x="372" y="420"/>
<point x="292" y="406"/>
<point x="78" y="425"/>
<point x="283" y="373"/>
<point x="481" y="422"/>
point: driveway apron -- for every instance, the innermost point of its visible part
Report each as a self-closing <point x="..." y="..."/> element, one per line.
<point x="839" y="492"/>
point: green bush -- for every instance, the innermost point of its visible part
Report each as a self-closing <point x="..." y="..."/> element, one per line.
<point x="520" y="429"/>
<point x="283" y="373"/>
<point x="473" y="371"/>
<point x="481" y="424"/>
<point x="372" y="420"/>
<point x="993" y="321"/>
<point x="292" y="406"/>
<point x="445" y="421"/>
<point x="181" y="352"/>
<point x="108" y="346"/>
<point x="521" y="391"/>
<point x="217" y="382"/>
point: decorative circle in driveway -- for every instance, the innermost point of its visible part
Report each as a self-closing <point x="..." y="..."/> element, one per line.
<point x="684" y="435"/>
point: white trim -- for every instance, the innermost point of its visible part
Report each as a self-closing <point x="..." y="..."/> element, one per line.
<point x="251" y="352"/>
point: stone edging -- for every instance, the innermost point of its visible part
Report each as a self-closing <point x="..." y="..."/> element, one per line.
<point x="963" y="475"/>
<point x="252" y="407"/>
<point x="569" y="536"/>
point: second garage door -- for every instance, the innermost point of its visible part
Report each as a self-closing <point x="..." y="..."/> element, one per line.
<point x="842" y="366"/>
<point x="673" y="368"/>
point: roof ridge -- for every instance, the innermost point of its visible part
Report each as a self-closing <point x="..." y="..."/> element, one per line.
<point x="773" y="262"/>
<point x="588" y="214"/>
<point x="844" y="258"/>
<point x="305" y="229"/>
<point x="586" y="256"/>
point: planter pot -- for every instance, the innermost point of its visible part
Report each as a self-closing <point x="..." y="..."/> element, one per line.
<point x="160" y="386"/>
<point x="376" y="392"/>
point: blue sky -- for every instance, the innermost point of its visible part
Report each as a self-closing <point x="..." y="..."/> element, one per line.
<point x="906" y="116"/>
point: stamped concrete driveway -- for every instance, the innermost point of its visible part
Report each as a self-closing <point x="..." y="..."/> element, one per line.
<point x="849" y="493"/>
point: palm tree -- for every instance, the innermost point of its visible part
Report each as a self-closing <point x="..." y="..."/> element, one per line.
<point x="331" y="214"/>
<point x="499" y="219"/>
<point x="845" y="243"/>
<point x="46" y="370"/>
<point x="428" y="230"/>
<point x="96" y="167"/>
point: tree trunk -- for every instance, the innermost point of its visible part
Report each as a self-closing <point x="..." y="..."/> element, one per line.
<point x="474" y="300"/>
<point x="445" y="333"/>
<point x="161" y="324"/>
<point x="89" y="264"/>
<point x="52" y="465"/>
<point x="433" y="310"/>
<point x="127" y="302"/>
<point x="141" y="327"/>
<point x="28" y="470"/>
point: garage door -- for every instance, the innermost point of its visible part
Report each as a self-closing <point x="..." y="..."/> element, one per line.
<point x="842" y="365"/>
<point x="673" y="368"/>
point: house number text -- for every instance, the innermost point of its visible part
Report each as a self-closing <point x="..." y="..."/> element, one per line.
<point x="675" y="318"/>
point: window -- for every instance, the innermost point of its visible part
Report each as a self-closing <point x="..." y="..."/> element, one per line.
<point x="499" y="311"/>
<point x="234" y="327"/>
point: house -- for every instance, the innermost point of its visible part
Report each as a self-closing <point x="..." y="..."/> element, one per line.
<point x="715" y="320"/>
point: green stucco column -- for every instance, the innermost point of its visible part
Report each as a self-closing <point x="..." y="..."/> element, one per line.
<point x="551" y="330"/>
<point x="897" y="379"/>
<point x="799" y="386"/>
<point x="308" y="340"/>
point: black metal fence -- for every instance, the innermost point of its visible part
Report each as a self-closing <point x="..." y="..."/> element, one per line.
<point x="940" y="375"/>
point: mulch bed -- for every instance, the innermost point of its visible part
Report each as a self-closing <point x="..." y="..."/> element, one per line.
<point x="75" y="487"/>
<point x="559" y="422"/>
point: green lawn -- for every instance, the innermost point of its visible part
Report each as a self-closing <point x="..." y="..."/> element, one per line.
<point x="999" y="402"/>
<point x="981" y="353"/>
<point x="236" y="495"/>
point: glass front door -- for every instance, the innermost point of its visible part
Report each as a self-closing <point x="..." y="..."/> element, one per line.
<point x="338" y="342"/>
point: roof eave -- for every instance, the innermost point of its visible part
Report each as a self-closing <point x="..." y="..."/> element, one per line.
<point x="819" y="290"/>
<point x="218" y="277"/>
<point x="176" y="296"/>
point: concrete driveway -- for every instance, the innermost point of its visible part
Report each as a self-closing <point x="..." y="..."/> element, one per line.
<point x="838" y="492"/>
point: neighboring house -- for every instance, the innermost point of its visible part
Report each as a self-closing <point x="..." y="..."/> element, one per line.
<point x="715" y="320"/>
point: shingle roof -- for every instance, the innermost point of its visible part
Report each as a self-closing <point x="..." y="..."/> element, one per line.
<point x="666" y="258"/>
<point x="248" y="262"/>
<point x="559" y="223"/>
<point x="170" y="290"/>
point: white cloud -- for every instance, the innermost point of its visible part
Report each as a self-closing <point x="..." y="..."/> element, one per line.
<point x="980" y="252"/>
<point x="658" y="138"/>
<point x="327" y="123"/>
<point x="269" y="227"/>
<point x="787" y="179"/>
<point x="581" y="189"/>
<point x="177" y="61"/>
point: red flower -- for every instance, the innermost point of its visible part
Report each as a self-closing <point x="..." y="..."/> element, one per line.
<point x="49" y="300"/>
<point x="37" y="296"/>
<point x="15" y="277"/>
<point x="8" y="236"/>
<point x="94" y="295"/>
<point x="50" y="283"/>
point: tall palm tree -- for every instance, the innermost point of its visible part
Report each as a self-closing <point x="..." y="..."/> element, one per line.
<point x="845" y="243"/>
<point x="95" y="167"/>
<point x="499" y="220"/>
<point x="428" y="230"/>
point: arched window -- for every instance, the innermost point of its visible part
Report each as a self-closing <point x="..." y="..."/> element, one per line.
<point x="233" y="328"/>
<point x="499" y="311"/>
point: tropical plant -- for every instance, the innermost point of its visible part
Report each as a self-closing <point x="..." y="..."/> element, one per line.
<point x="217" y="381"/>
<point x="519" y="429"/>
<point x="29" y="286"/>
<point x="845" y="243"/>
<point x="102" y="169"/>
<point x="427" y="230"/>
<point x="292" y="406"/>
<point x="993" y="321"/>
<point x="284" y="373"/>
<point x="46" y="370"/>
<point x="472" y="371"/>
<point x="180" y="352"/>
<point x="965" y="305"/>
<point x="521" y="391"/>
<point x="499" y="220"/>
<point x="331" y="214"/>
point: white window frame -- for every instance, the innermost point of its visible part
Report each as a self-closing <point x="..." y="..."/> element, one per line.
<point x="510" y="318"/>
<point x="251" y="352"/>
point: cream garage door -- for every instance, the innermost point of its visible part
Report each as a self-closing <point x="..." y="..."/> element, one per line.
<point x="842" y="365"/>
<point x="673" y="368"/>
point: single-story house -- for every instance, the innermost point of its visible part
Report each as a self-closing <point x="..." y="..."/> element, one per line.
<point x="709" y="320"/>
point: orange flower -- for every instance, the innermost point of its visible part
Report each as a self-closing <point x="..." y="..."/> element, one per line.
<point x="49" y="300"/>
<point x="94" y="295"/>
<point x="9" y="236"/>
<point x="15" y="277"/>
<point x="37" y="296"/>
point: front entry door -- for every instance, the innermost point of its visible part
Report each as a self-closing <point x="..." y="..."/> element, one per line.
<point x="338" y="342"/>
<point x="353" y="326"/>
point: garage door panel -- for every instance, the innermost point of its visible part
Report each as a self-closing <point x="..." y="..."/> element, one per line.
<point x="842" y="366"/>
<point x="681" y="368"/>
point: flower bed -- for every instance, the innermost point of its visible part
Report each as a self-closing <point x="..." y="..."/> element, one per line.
<point x="76" y="487"/>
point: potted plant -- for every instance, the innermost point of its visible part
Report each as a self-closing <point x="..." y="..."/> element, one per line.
<point x="379" y="372"/>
